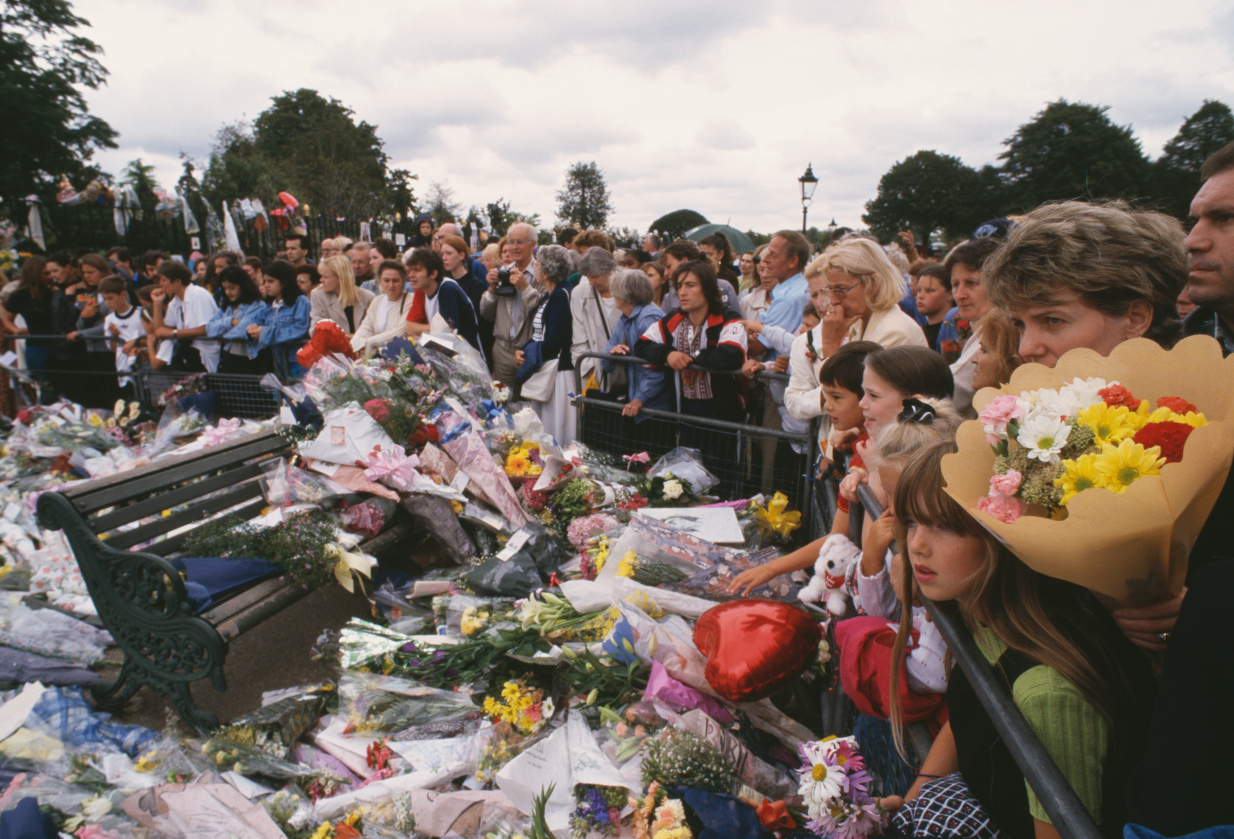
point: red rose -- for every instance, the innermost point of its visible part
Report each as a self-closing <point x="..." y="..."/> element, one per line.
<point x="1170" y="436"/>
<point x="1117" y="395"/>
<point x="1176" y="404"/>
<point x="431" y="432"/>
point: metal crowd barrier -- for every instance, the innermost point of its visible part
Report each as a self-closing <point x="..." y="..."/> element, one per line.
<point x="747" y="458"/>
<point x="1067" y="813"/>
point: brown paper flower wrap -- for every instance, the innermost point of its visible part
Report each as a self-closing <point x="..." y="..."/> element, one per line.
<point x="1130" y="549"/>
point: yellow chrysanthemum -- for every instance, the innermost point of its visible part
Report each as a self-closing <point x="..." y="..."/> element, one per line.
<point x="1078" y="475"/>
<point x="1122" y="465"/>
<point x="1109" y="425"/>
<point x="1166" y="415"/>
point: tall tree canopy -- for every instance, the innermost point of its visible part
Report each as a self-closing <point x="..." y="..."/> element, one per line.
<point x="674" y="225"/>
<point x="311" y="147"/>
<point x="1072" y="150"/>
<point x="1176" y="174"/>
<point x="584" y="200"/>
<point x="927" y="192"/>
<point x="45" y="63"/>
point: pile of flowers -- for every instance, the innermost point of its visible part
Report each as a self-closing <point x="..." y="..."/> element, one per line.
<point x="658" y="817"/>
<point x="188" y="386"/>
<point x="1051" y="444"/>
<point x="835" y="789"/>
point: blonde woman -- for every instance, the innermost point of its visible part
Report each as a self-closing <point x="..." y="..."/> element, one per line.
<point x="337" y="298"/>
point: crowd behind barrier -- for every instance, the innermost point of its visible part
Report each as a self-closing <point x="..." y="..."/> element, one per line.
<point x="840" y="379"/>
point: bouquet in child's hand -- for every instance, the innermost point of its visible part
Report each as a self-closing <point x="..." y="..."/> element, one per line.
<point x="836" y="790"/>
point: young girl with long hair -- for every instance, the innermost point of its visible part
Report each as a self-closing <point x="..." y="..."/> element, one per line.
<point x="242" y="307"/>
<point x="1083" y="687"/>
<point x="286" y="328"/>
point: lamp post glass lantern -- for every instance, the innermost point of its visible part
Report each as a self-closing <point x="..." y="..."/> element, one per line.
<point x="808" y="184"/>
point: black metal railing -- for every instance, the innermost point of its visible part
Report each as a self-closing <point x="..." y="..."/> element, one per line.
<point x="746" y="457"/>
<point x="1064" y="807"/>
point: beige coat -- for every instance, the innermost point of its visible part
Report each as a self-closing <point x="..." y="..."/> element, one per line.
<point x="328" y="306"/>
<point x="498" y="310"/>
<point x="804" y="395"/>
<point x="372" y="336"/>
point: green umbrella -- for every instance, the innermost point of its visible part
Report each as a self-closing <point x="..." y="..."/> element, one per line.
<point x="740" y="241"/>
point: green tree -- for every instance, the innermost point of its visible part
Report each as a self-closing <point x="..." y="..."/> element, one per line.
<point x="1176" y="174"/>
<point x="312" y="147"/>
<point x="927" y="192"/>
<point x="44" y="65"/>
<point x="1072" y="150"/>
<point x="674" y="225"/>
<point x="140" y="176"/>
<point x="501" y="217"/>
<point x="584" y="200"/>
<point x="439" y="202"/>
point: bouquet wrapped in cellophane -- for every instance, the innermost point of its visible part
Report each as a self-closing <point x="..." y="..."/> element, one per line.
<point x="1102" y="471"/>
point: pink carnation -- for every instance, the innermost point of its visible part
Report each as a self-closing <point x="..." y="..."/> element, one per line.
<point x="1007" y="484"/>
<point x="582" y="529"/>
<point x="1002" y="507"/>
<point x="995" y="416"/>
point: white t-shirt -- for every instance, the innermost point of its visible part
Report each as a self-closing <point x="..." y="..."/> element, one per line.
<point x="384" y="305"/>
<point x="130" y="327"/>
<point x="195" y="310"/>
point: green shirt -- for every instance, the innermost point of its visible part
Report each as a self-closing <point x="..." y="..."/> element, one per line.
<point x="1071" y="729"/>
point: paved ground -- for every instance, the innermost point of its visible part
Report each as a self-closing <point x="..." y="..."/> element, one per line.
<point x="276" y="654"/>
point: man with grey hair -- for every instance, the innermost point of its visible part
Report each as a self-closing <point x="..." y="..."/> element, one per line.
<point x="446" y="230"/>
<point x="509" y="306"/>
<point x="651" y="244"/>
<point x="595" y="314"/>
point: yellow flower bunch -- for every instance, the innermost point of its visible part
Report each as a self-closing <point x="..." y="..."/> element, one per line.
<point x="774" y="519"/>
<point x="1115" y="468"/>
<point x="524" y="708"/>
<point x="519" y="462"/>
<point x="1111" y="424"/>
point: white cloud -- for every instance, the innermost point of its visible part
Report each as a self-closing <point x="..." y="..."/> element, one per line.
<point x="708" y="106"/>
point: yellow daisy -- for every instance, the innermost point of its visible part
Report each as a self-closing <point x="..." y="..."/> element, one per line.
<point x="1166" y="415"/>
<point x="1109" y="425"/>
<point x="1078" y="475"/>
<point x="1121" y="465"/>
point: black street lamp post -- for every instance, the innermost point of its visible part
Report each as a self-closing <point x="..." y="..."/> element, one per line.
<point x="808" y="184"/>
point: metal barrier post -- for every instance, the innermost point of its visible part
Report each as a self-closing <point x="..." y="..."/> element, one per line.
<point x="1067" y="813"/>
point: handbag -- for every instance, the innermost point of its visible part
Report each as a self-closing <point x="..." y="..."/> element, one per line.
<point x="539" y="386"/>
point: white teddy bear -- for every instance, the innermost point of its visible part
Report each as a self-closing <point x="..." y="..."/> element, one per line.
<point x="834" y="558"/>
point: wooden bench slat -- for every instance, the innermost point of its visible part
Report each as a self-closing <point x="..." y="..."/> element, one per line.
<point x="137" y="483"/>
<point x="249" y="608"/>
<point x="160" y="501"/>
<point x="172" y="544"/>
<point x="195" y="512"/>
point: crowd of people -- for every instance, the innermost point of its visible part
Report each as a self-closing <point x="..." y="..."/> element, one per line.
<point x="884" y="347"/>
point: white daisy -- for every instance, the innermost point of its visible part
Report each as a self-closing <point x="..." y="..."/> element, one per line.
<point x="1044" y="436"/>
<point x="822" y="780"/>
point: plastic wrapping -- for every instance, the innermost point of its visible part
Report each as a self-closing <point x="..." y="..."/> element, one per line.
<point x="284" y="485"/>
<point x="685" y="463"/>
<point x="437" y="516"/>
<point x="369" y="517"/>
<point x="373" y="703"/>
<point x="517" y="577"/>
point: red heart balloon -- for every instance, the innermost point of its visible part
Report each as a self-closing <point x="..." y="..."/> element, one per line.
<point x="754" y="648"/>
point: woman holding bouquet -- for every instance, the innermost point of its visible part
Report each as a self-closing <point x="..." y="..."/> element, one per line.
<point x="1074" y="275"/>
<point x="1078" y="275"/>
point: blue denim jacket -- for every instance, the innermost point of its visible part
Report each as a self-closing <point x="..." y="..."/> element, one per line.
<point x="653" y="386"/>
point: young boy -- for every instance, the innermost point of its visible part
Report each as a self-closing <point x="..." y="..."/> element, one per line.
<point x="123" y="321"/>
<point x="840" y="378"/>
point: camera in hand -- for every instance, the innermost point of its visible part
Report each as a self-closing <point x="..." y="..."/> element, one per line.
<point x="504" y="287"/>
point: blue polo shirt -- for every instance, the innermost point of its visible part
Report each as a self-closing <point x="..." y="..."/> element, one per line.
<point x="788" y="299"/>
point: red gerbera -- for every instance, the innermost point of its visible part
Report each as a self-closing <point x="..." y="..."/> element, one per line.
<point x="1170" y="436"/>
<point x="1176" y="404"/>
<point x="1117" y="395"/>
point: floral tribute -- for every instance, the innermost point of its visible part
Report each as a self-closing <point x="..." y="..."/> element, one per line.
<point x="525" y="708"/>
<point x="1051" y="444"/>
<point x="835" y="789"/>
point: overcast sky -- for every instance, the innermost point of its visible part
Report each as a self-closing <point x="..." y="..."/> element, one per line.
<point x="717" y="107"/>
